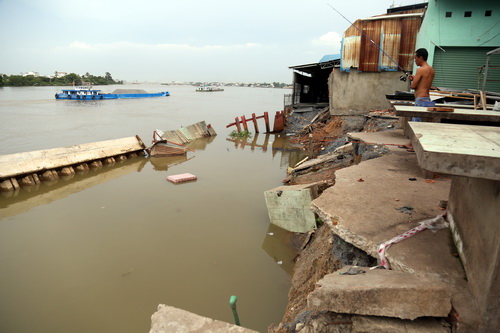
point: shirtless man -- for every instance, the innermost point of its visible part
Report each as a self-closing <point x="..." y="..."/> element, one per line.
<point x="421" y="82"/>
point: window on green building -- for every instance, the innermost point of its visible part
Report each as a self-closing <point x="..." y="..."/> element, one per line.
<point x="487" y="13"/>
<point x="448" y="14"/>
<point x="467" y="14"/>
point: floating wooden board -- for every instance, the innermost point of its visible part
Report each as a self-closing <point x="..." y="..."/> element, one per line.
<point x="440" y="109"/>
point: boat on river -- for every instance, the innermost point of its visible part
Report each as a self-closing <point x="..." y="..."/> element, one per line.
<point x="208" y="89"/>
<point x="85" y="93"/>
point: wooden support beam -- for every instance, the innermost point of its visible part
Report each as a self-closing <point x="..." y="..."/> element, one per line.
<point x="237" y="123"/>
<point x="244" y="122"/>
<point x="254" y="119"/>
<point x="483" y="99"/>
<point x="266" y="119"/>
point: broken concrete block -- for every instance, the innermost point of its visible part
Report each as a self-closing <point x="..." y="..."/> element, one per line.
<point x="6" y="186"/>
<point x="394" y="325"/>
<point x="170" y="319"/>
<point x="382" y="292"/>
<point x="345" y="149"/>
<point x="181" y="178"/>
<point x="289" y="207"/>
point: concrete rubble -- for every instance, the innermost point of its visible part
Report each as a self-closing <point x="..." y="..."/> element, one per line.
<point x="288" y="207"/>
<point x="382" y="292"/>
<point x="173" y="320"/>
<point x="188" y="133"/>
<point x="370" y="203"/>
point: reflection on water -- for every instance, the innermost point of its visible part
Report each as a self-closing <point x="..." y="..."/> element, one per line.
<point x="161" y="163"/>
<point x="278" y="142"/>
<point x="26" y="198"/>
<point x="278" y="244"/>
<point x="99" y="252"/>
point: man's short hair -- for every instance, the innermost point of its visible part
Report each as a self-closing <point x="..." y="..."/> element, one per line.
<point x="422" y="53"/>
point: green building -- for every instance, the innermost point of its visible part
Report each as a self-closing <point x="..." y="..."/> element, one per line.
<point x="458" y="34"/>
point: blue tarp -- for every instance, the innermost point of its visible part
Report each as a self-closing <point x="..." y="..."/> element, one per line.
<point x="330" y="57"/>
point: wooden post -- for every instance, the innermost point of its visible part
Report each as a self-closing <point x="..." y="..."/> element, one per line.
<point x="237" y="122"/>
<point x="266" y="119"/>
<point x="254" y="119"/>
<point x="483" y="99"/>
<point x="244" y="122"/>
<point x="310" y="150"/>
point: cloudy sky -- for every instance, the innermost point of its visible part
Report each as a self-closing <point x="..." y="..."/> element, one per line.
<point x="182" y="40"/>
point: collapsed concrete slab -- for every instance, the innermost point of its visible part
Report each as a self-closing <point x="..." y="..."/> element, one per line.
<point x="169" y="319"/>
<point x="381" y="198"/>
<point x="382" y="292"/>
<point x="393" y="325"/>
<point x="289" y="207"/>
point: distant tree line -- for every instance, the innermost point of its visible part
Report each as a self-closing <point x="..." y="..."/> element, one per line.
<point x="66" y="80"/>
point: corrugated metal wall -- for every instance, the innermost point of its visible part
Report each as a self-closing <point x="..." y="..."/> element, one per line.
<point x="458" y="68"/>
<point x="396" y="36"/>
<point x="391" y="41"/>
<point x="409" y="29"/>
<point x="369" y="53"/>
<point x="351" y="46"/>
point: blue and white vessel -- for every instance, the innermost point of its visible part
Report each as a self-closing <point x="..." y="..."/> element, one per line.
<point x="85" y="93"/>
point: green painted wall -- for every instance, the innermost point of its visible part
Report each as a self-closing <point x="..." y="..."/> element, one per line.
<point x="459" y="32"/>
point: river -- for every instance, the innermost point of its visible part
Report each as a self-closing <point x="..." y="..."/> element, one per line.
<point x="99" y="252"/>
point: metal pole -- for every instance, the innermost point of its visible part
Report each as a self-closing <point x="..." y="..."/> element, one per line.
<point x="232" y="303"/>
<point x="485" y="75"/>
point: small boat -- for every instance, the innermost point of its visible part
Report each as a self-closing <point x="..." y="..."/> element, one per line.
<point x="208" y="89"/>
<point x="85" y="93"/>
<point x="162" y="147"/>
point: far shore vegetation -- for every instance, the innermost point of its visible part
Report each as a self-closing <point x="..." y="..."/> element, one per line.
<point x="62" y="79"/>
<point x="66" y="80"/>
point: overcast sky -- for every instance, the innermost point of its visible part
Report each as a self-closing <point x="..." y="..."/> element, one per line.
<point x="182" y="40"/>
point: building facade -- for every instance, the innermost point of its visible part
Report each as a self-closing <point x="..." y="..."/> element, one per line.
<point x="457" y="35"/>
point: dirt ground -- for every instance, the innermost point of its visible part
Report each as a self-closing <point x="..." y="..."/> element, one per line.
<point x="329" y="132"/>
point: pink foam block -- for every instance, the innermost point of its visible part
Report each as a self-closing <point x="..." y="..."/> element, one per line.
<point x="183" y="177"/>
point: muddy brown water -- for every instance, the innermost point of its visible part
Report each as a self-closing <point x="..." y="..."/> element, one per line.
<point x="100" y="251"/>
